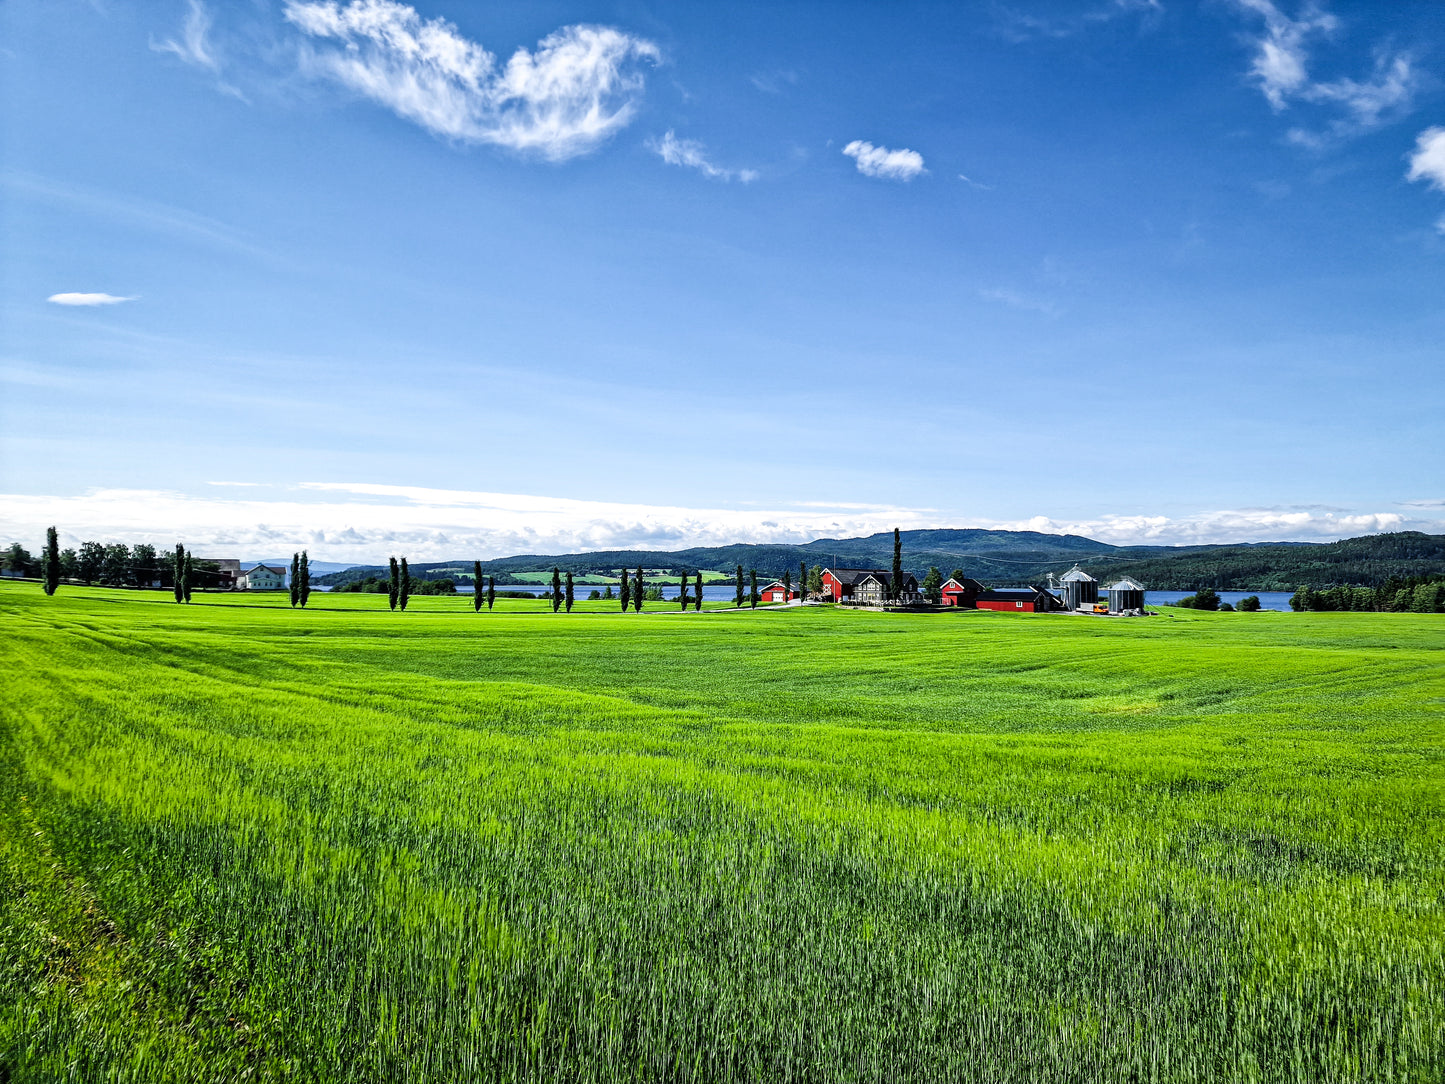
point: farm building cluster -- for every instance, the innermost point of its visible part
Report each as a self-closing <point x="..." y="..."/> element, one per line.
<point x="1076" y="592"/>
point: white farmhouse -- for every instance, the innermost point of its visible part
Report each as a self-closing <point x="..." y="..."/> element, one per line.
<point x="262" y="578"/>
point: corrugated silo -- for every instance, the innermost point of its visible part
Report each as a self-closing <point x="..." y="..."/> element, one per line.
<point x="1078" y="588"/>
<point x="1125" y="595"/>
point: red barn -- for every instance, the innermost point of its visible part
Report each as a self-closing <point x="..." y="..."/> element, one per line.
<point x="963" y="592"/>
<point x="1018" y="600"/>
<point x="775" y="592"/>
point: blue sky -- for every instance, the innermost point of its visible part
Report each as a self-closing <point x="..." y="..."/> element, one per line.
<point x="465" y="279"/>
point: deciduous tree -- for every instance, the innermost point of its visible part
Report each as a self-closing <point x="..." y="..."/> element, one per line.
<point x="478" y="591"/>
<point x="739" y="602"/>
<point x="491" y="591"/>
<point x="393" y="591"/>
<point x="787" y="584"/>
<point x="50" y="561"/>
<point x="115" y="569"/>
<point x="637" y="591"/>
<point x="682" y="593"/>
<point x="403" y="588"/>
<point x="186" y="574"/>
<point x="625" y="591"/>
<point x="753" y="587"/>
<point x="803" y="579"/>
<point x="305" y="578"/>
<point x="90" y="561"/>
<point x="295" y="579"/>
<point x="569" y="592"/>
<point x="556" y="590"/>
<point x="698" y="599"/>
<point x="144" y="567"/>
<point x="933" y="586"/>
<point x="179" y="574"/>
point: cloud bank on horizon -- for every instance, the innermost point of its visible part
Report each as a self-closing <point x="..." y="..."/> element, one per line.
<point x="364" y="522"/>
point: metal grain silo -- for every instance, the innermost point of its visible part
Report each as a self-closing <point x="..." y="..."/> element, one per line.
<point x="1125" y="595"/>
<point x="1078" y="588"/>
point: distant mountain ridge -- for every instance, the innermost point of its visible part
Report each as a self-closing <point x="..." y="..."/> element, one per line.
<point x="997" y="557"/>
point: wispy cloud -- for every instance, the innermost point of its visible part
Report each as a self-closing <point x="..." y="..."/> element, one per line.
<point x="86" y="299"/>
<point x="1280" y="68"/>
<point x="1019" y="25"/>
<point x="691" y="154"/>
<point x="1015" y="300"/>
<point x="193" y="46"/>
<point x="975" y="184"/>
<point x="891" y="165"/>
<point x="577" y="88"/>
<point x="1428" y="162"/>
<point x="773" y="82"/>
<point x="364" y="522"/>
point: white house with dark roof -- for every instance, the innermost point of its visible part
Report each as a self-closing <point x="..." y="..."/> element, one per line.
<point x="262" y="578"/>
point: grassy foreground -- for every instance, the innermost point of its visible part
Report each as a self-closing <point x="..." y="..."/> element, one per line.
<point x="239" y="842"/>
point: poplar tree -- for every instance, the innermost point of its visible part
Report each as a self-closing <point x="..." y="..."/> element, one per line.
<point x="403" y="588"/>
<point x="569" y="592"/>
<point x="803" y="580"/>
<point x="556" y="590"/>
<point x="50" y="561"/>
<point x="753" y="588"/>
<point x="393" y="589"/>
<point x="305" y="578"/>
<point x="295" y="579"/>
<point x="477" y="591"/>
<point x="739" y="602"/>
<point x="787" y="584"/>
<point x="897" y="563"/>
<point x="637" y="591"/>
<point x="186" y="578"/>
<point x="682" y="593"/>
<point x="179" y="574"/>
<point x="697" y="603"/>
<point x="491" y="591"/>
<point x="626" y="591"/>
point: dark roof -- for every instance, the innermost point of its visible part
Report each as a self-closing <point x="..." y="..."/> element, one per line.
<point x="848" y="577"/>
<point x="1013" y="594"/>
<point x="965" y="583"/>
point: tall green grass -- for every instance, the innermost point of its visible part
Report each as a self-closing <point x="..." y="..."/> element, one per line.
<point x="242" y="842"/>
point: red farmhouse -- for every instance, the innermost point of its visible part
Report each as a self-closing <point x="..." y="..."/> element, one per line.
<point x="1018" y="600"/>
<point x="843" y="584"/>
<point x="963" y="592"/>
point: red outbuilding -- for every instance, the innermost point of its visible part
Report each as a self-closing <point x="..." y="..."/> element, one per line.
<point x="775" y="592"/>
<point x="1018" y="600"/>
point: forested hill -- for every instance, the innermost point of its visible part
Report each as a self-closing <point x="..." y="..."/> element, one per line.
<point x="1366" y="562"/>
<point x="1009" y="557"/>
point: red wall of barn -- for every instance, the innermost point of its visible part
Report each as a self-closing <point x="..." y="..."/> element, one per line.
<point x="1006" y="607"/>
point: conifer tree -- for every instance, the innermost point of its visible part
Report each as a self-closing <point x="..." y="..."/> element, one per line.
<point x="739" y="602"/>
<point x="178" y="574"/>
<point x="295" y="579"/>
<point x="753" y="588"/>
<point x="50" y="561"/>
<point x="403" y="588"/>
<point x="393" y="590"/>
<point x="626" y="592"/>
<point x="803" y="580"/>
<point x="491" y="591"/>
<point x="787" y="584"/>
<point x="556" y="590"/>
<point x="697" y="602"/>
<point x="637" y="591"/>
<point x="186" y="578"/>
<point x="569" y="592"/>
<point x="477" y="591"/>
<point x="305" y="578"/>
<point x="897" y="563"/>
<point x="682" y="593"/>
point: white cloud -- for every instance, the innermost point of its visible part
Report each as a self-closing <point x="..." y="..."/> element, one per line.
<point x="899" y="165"/>
<point x="1015" y="300"/>
<point x="692" y="155"/>
<point x="1281" y="70"/>
<point x="86" y="299"/>
<point x="364" y="523"/>
<point x="193" y="47"/>
<point x="575" y="90"/>
<point x="1428" y="162"/>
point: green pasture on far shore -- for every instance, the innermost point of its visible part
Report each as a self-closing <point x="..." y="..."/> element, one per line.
<point x="241" y="841"/>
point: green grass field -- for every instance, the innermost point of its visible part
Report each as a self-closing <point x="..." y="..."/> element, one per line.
<point x="242" y="842"/>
